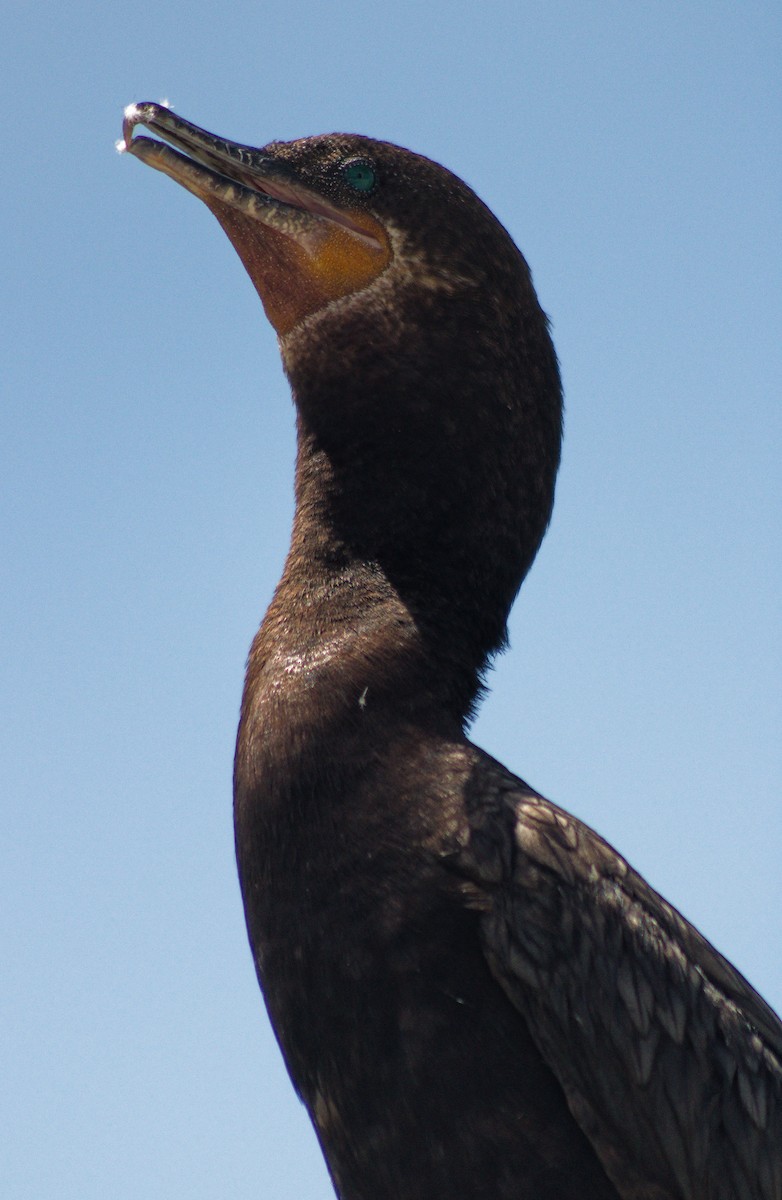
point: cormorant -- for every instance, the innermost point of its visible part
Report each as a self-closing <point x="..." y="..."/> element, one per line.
<point x="476" y="996"/>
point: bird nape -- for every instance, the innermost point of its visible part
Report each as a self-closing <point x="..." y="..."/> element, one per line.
<point x="475" y="995"/>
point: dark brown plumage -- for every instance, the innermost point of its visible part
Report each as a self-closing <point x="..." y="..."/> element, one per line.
<point x="475" y="996"/>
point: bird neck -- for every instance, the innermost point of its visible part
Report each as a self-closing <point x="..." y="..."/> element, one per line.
<point x="424" y="483"/>
<point x="344" y="635"/>
<point x="338" y="670"/>
<point x="387" y="554"/>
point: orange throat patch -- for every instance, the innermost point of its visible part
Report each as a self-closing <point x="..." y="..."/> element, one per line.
<point x="295" y="277"/>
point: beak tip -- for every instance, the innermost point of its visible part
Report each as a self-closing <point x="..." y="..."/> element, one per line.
<point x="130" y="118"/>
<point x="140" y="113"/>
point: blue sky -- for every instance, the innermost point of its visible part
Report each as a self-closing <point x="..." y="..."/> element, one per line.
<point x="632" y="151"/>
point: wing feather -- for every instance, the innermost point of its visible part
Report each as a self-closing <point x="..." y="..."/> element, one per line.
<point x="671" y="1062"/>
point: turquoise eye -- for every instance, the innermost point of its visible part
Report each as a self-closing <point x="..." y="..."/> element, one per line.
<point x="360" y="174"/>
